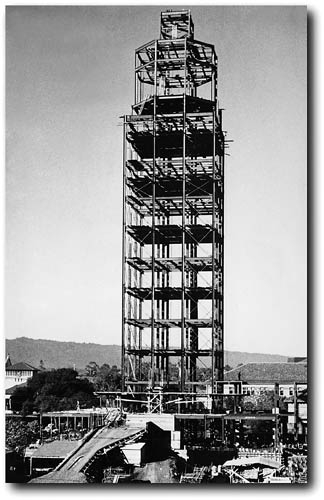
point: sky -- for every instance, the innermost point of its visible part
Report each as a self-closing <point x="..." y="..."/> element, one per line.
<point x="69" y="79"/>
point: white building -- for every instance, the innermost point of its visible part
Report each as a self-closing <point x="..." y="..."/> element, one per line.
<point x="16" y="375"/>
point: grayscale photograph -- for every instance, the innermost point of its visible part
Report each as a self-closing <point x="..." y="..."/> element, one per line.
<point x="156" y="245"/>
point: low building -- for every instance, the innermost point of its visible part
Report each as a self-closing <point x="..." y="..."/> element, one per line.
<point x="16" y="376"/>
<point x="288" y="379"/>
<point x="297" y="416"/>
<point x="250" y="470"/>
<point x="43" y="459"/>
<point x="258" y="378"/>
<point x="18" y="373"/>
<point x="14" y="467"/>
<point x="9" y="393"/>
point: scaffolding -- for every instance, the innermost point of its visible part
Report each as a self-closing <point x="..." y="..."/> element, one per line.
<point x="173" y="214"/>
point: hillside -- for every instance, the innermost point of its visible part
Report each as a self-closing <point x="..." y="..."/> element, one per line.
<point x="234" y="358"/>
<point x="61" y="354"/>
<point x="57" y="354"/>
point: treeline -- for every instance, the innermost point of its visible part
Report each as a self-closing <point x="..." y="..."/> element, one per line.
<point x="65" y="389"/>
<point x="106" y="378"/>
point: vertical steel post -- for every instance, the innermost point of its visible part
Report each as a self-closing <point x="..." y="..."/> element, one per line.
<point x="183" y="224"/>
<point x="295" y="413"/>
<point x="222" y="212"/>
<point x="153" y="223"/>
<point x="213" y="262"/>
<point x="123" y="257"/>
<point x="137" y="82"/>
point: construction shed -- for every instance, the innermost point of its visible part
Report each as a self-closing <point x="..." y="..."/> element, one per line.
<point x="49" y="455"/>
<point x="135" y="453"/>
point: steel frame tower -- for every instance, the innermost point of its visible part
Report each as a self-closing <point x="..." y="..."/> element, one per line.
<point x="173" y="214"/>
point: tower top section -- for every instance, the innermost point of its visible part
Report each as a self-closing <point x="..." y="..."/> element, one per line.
<point x="176" y="24"/>
<point x="175" y="65"/>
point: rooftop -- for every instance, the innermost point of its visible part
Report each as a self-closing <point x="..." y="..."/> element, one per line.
<point x="12" y="389"/>
<point x="269" y="372"/>
<point x="21" y="367"/>
<point x="55" y="449"/>
<point x="252" y="462"/>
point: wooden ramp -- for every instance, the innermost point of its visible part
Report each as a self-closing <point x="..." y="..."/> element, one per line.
<point x="103" y="440"/>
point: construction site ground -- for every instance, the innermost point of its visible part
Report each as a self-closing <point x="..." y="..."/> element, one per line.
<point x="158" y="472"/>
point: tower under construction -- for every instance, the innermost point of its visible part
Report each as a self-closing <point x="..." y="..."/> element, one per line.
<point x="173" y="215"/>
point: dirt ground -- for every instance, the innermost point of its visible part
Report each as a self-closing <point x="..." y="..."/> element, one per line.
<point x="157" y="472"/>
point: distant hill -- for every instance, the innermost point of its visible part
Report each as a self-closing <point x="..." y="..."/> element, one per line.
<point x="57" y="354"/>
<point x="234" y="358"/>
<point x="61" y="354"/>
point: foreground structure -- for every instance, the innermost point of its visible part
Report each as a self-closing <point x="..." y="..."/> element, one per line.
<point x="173" y="218"/>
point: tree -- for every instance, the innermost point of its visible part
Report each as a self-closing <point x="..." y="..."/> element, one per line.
<point x="203" y="374"/>
<point x="20" y="397"/>
<point x="53" y="390"/>
<point x="108" y="378"/>
<point x="92" y="369"/>
<point x="259" y="402"/>
<point x="20" y="434"/>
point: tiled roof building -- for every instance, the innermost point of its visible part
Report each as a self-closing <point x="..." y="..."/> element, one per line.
<point x="283" y="373"/>
<point x="18" y="373"/>
<point x="22" y="367"/>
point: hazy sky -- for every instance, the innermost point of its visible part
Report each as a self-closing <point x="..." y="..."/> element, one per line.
<point x="69" y="77"/>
